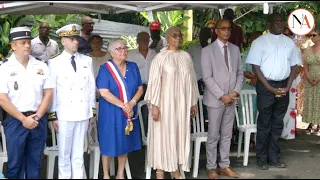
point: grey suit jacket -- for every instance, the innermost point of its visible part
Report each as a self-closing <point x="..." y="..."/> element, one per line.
<point x="217" y="78"/>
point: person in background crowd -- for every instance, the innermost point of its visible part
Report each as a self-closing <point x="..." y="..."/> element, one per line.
<point x="157" y="42"/>
<point x="172" y="94"/>
<point x="249" y="83"/>
<point x="25" y="94"/>
<point x="311" y="105"/>
<point x="143" y="56"/>
<point x="195" y="51"/>
<point x="120" y="86"/>
<point x="97" y="54"/>
<point x="289" y="120"/>
<point x="274" y="61"/>
<point x="73" y="103"/>
<point x="222" y="74"/>
<point x="87" y="28"/>
<point x="42" y="46"/>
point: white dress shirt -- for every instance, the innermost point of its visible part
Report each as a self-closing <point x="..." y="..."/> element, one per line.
<point x="44" y="52"/>
<point x="275" y="54"/>
<point x="221" y="45"/>
<point x="24" y="86"/>
<point x="143" y="64"/>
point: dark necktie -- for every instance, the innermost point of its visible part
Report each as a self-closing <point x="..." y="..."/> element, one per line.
<point x="73" y="63"/>
<point x="226" y="56"/>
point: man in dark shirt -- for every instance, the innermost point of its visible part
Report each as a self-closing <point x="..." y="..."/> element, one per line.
<point x="87" y="28"/>
<point x="237" y="36"/>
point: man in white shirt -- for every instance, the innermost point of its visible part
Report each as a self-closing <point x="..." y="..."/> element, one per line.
<point x="42" y="46"/>
<point x="143" y="56"/>
<point x="157" y="42"/>
<point x="26" y="93"/>
<point x="274" y="60"/>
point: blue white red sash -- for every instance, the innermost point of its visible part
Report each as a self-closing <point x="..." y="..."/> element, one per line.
<point x="122" y="85"/>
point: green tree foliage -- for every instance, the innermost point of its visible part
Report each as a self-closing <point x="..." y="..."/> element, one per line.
<point x="8" y="21"/>
<point x="168" y="19"/>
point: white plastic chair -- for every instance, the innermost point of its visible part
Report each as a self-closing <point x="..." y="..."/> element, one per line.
<point x="94" y="151"/>
<point x="3" y="153"/>
<point x="198" y="136"/>
<point x="144" y="139"/>
<point x="249" y="125"/>
<point x="52" y="152"/>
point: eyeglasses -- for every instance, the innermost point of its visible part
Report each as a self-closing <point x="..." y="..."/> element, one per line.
<point x="119" y="49"/>
<point x="224" y="28"/>
<point x="90" y="23"/>
<point x="175" y="35"/>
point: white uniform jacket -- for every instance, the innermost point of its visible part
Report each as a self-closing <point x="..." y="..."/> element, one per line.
<point x="74" y="92"/>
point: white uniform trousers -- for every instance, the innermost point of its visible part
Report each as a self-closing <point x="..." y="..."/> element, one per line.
<point x="71" y="138"/>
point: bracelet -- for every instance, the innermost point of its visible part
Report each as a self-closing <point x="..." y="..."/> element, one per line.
<point x="134" y="102"/>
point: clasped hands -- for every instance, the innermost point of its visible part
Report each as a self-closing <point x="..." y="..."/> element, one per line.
<point x="229" y="98"/>
<point x="280" y="92"/>
<point x="128" y="108"/>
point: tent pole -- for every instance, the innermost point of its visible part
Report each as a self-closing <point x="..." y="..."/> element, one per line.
<point x="150" y="16"/>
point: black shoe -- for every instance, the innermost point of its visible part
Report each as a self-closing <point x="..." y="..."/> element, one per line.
<point x="262" y="165"/>
<point x="278" y="164"/>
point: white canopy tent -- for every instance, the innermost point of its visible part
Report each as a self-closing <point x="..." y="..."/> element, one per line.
<point x="116" y="7"/>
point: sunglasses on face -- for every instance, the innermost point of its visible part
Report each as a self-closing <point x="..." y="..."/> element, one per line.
<point x="175" y="35"/>
<point x="225" y="28"/>
<point x="119" y="49"/>
<point x="90" y="23"/>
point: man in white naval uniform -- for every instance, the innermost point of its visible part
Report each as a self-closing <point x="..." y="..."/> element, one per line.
<point x="73" y="102"/>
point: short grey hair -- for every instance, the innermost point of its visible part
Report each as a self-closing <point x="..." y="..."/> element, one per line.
<point x="114" y="42"/>
<point x="170" y="30"/>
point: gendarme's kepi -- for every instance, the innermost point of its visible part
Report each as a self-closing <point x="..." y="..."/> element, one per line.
<point x="20" y="33"/>
<point x="69" y="30"/>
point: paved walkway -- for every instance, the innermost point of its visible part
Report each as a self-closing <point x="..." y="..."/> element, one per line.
<point x="301" y="156"/>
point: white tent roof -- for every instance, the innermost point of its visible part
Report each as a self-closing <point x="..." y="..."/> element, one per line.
<point x="115" y="7"/>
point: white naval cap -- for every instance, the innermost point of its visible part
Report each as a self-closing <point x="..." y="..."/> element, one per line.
<point x="20" y="33"/>
<point x="69" y="30"/>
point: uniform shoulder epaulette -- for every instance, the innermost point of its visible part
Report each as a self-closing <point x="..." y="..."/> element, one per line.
<point x="55" y="55"/>
<point x="3" y="61"/>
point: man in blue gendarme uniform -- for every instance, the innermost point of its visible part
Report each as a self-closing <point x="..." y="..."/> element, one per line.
<point x="25" y="94"/>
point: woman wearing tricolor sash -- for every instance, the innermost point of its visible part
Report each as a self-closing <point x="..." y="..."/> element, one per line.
<point x="120" y="86"/>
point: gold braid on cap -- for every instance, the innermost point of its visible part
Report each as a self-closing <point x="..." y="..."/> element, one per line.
<point x="52" y="116"/>
<point x="94" y="110"/>
<point x="73" y="32"/>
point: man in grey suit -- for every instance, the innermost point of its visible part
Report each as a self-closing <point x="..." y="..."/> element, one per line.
<point x="222" y="74"/>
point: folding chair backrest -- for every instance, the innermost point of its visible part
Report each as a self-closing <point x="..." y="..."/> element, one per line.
<point x="4" y="143"/>
<point x="246" y="107"/>
<point x="198" y="121"/>
<point x="141" y="120"/>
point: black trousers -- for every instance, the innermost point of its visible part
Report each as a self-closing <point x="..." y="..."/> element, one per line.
<point x="270" y="121"/>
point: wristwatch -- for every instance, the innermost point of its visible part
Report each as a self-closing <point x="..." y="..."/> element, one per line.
<point x="36" y="118"/>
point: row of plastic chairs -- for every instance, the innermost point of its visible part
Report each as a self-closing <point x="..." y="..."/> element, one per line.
<point x="198" y="136"/>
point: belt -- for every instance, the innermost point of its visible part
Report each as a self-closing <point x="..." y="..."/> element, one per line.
<point x="28" y="113"/>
